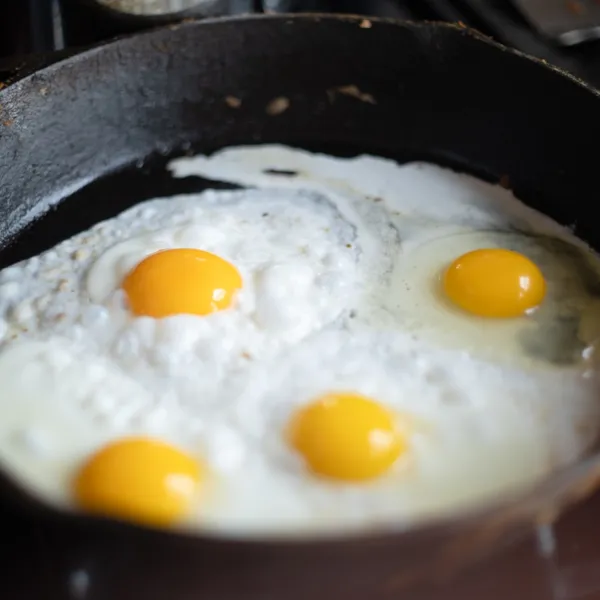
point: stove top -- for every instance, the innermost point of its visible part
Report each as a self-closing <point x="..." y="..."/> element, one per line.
<point x="40" y="560"/>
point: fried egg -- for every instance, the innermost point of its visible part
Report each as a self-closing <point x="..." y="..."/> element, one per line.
<point x="321" y="350"/>
<point x="440" y="216"/>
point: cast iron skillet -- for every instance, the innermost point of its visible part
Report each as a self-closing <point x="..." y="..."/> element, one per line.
<point x="95" y="128"/>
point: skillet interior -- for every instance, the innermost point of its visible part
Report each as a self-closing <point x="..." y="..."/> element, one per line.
<point x="436" y="92"/>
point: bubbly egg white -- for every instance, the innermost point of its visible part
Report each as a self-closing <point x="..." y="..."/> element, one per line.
<point x="340" y="265"/>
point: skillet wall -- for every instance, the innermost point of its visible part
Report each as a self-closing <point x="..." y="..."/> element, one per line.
<point x="435" y="91"/>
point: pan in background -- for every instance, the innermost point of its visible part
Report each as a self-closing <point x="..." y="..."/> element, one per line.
<point x="86" y="21"/>
<point x="96" y="128"/>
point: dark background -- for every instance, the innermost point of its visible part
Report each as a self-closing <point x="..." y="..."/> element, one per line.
<point x="27" y="25"/>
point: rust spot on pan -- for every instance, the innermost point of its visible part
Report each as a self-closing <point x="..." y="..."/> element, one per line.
<point x="277" y="106"/>
<point x="350" y="90"/>
<point x="233" y="102"/>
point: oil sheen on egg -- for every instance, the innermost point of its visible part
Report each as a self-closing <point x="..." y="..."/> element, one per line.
<point x="319" y="302"/>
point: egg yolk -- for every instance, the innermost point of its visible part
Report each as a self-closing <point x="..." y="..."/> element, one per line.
<point x="494" y="283"/>
<point x="139" y="479"/>
<point x="347" y="437"/>
<point x="181" y="281"/>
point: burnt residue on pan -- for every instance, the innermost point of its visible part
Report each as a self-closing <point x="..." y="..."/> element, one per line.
<point x="351" y="91"/>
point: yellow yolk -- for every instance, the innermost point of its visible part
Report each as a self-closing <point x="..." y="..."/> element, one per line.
<point x="181" y="281"/>
<point x="139" y="479"/>
<point x="347" y="437"/>
<point x="494" y="283"/>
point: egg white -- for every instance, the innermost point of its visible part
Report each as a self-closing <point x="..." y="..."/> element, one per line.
<point x="339" y="265"/>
